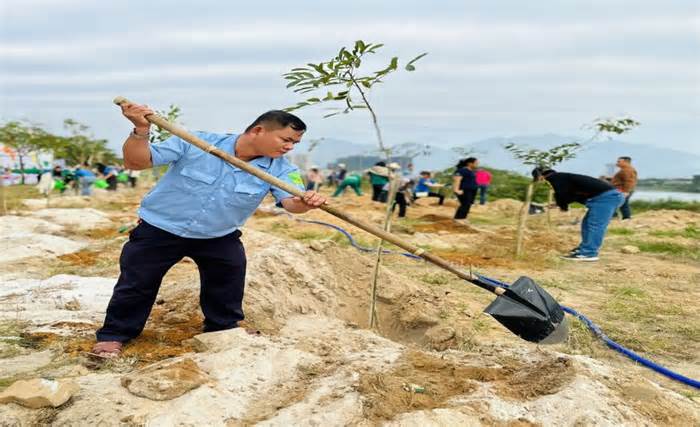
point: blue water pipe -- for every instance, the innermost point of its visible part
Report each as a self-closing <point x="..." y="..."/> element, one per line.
<point x="595" y="329"/>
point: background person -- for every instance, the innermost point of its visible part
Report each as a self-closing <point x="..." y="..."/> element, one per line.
<point x="378" y="177"/>
<point x="464" y="186"/>
<point x="314" y="179"/>
<point x="85" y="179"/>
<point x="600" y="198"/>
<point x="625" y="180"/>
<point x="423" y="187"/>
<point x="353" y="181"/>
<point x="483" y="181"/>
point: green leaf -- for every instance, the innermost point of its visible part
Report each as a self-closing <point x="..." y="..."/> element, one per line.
<point x="394" y="63"/>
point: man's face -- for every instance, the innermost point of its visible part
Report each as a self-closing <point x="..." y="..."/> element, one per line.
<point x="621" y="162"/>
<point x="275" y="142"/>
<point x="474" y="165"/>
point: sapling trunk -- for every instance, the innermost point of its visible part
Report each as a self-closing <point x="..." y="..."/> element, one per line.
<point x="524" y="212"/>
<point x="550" y="200"/>
<point x="393" y="187"/>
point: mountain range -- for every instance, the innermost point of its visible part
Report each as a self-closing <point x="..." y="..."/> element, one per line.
<point x="595" y="159"/>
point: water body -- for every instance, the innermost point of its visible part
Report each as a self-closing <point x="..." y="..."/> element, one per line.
<point x="665" y="195"/>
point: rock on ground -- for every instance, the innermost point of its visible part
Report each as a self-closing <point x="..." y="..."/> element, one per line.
<point x="629" y="249"/>
<point x="39" y="393"/>
<point x="165" y="380"/>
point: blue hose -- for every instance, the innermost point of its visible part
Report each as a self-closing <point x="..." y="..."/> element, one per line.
<point x="595" y="329"/>
<point x="352" y="240"/>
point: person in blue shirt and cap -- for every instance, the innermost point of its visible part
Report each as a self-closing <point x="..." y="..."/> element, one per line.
<point x="196" y="210"/>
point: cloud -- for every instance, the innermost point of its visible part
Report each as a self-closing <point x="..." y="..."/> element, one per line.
<point x="406" y="33"/>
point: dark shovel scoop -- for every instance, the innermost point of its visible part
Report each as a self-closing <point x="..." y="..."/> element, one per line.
<point x="530" y="312"/>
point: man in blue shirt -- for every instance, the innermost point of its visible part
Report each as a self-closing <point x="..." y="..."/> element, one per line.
<point x="196" y="210"/>
<point x="423" y="187"/>
<point x="86" y="178"/>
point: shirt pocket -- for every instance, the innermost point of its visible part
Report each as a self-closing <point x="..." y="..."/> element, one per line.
<point x="248" y="190"/>
<point x="195" y="179"/>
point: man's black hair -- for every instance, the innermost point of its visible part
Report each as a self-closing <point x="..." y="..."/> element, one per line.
<point x="541" y="171"/>
<point x="278" y="119"/>
<point x="626" y="158"/>
<point x="380" y="163"/>
<point x="470" y="160"/>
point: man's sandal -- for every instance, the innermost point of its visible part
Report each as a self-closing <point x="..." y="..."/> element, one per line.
<point x="106" y="350"/>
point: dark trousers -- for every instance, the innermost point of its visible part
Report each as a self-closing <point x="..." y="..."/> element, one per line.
<point x="149" y="254"/>
<point x="112" y="183"/>
<point x="377" y="195"/>
<point x="625" y="209"/>
<point x="439" y="196"/>
<point x="465" y="203"/>
<point x="401" y="201"/>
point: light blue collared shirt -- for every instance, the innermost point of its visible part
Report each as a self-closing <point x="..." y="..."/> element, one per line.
<point x="202" y="196"/>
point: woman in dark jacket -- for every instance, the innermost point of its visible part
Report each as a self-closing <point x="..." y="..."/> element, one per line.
<point x="464" y="186"/>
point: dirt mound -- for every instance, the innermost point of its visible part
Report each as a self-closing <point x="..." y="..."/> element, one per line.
<point x="418" y="381"/>
<point x="422" y="381"/>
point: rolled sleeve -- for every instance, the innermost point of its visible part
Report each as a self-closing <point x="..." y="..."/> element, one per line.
<point x="291" y="175"/>
<point x="168" y="151"/>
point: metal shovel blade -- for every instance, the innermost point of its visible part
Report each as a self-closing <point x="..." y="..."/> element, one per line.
<point x="530" y="312"/>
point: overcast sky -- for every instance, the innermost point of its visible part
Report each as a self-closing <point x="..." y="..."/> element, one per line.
<point x="495" y="68"/>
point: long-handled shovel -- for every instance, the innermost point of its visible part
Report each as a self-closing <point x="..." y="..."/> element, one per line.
<point x="524" y="308"/>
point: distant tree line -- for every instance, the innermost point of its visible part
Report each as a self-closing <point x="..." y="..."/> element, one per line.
<point x="681" y="185"/>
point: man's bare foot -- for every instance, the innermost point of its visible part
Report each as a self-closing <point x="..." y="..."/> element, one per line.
<point x="106" y="350"/>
